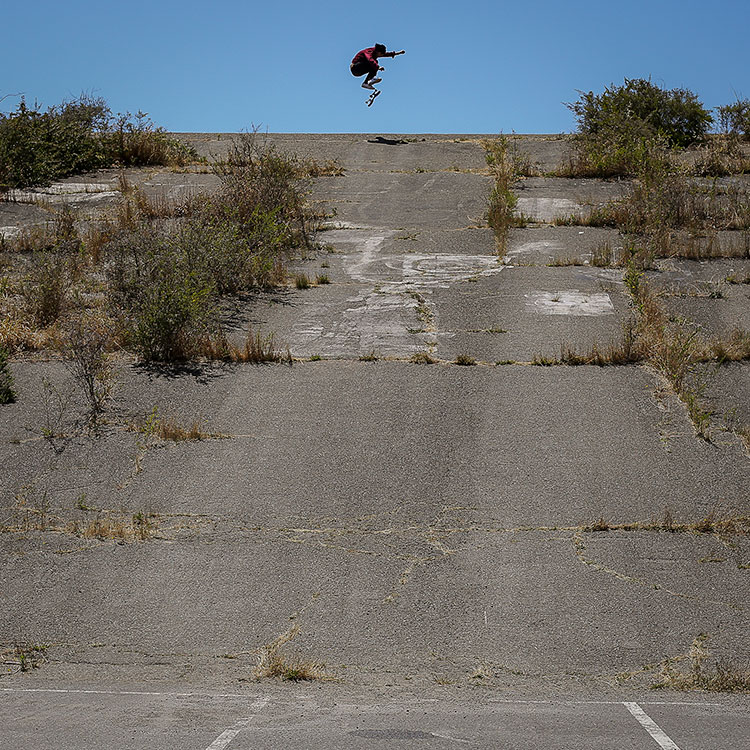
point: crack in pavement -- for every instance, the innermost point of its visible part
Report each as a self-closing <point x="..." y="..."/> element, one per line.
<point x="580" y="550"/>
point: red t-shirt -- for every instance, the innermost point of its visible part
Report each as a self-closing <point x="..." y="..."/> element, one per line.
<point x="369" y="58"/>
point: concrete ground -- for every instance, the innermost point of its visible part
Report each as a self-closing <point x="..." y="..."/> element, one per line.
<point x="431" y="540"/>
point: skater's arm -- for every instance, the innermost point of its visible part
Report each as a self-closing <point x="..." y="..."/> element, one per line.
<point x="393" y="54"/>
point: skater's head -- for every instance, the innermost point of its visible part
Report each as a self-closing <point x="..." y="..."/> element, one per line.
<point x="380" y="49"/>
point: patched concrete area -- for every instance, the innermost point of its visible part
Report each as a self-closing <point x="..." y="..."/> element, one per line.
<point x="444" y="537"/>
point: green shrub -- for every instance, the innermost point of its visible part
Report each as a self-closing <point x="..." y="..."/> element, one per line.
<point x="38" y="147"/>
<point x="646" y="110"/>
<point x="45" y="290"/>
<point x="631" y="129"/>
<point x="164" y="303"/>
<point x="134" y="141"/>
<point x="734" y="119"/>
<point x="7" y="394"/>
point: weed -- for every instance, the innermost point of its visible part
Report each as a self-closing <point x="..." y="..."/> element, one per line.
<point x="322" y="278"/>
<point x="493" y="330"/>
<point x="721" y="676"/>
<point x="370" y="357"/>
<point x="721" y="156"/>
<point x="733" y="348"/>
<point x="602" y="256"/>
<point x="139" y="527"/>
<point x="23" y="657"/>
<point x="301" y="281"/>
<point x="313" y="168"/>
<point x="506" y="167"/>
<point x="169" y="428"/>
<point x="541" y="360"/>
<point x="422" y="358"/>
<point x="7" y="383"/>
<point x="465" y="360"/>
<point x="85" y="354"/>
<point x="566" y="261"/>
<point x="600" y="525"/>
<point x="166" y="277"/>
<point x="134" y="140"/>
<point x="45" y="290"/>
<point x="272" y="663"/>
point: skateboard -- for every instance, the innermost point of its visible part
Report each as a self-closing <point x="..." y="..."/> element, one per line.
<point x="373" y="96"/>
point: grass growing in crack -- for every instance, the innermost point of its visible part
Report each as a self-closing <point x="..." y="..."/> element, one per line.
<point x="422" y="358"/>
<point x="369" y="357"/>
<point x="465" y="360"/>
<point x="302" y="281"/>
<point x="272" y="663"/>
<point x="168" y="428"/>
<point x="23" y="657"/>
<point x="724" y="525"/>
<point x="506" y="166"/>
<point x="140" y="527"/>
<point x="718" y="676"/>
<point x="32" y="512"/>
<point x="258" y="348"/>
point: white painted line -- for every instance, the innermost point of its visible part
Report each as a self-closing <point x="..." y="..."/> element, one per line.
<point x="125" y="692"/>
<point x="660" y="737"/>
<point x="509" y="701"/>
<point x="601" y="703"/>
<point x="229" y="734"/>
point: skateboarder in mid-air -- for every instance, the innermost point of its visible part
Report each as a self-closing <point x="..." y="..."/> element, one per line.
<point x="365" y="63"/>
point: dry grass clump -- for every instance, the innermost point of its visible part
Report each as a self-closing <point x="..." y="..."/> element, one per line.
<point x="139" y="527"/>
<point x="720" y="676"/>
<point x="733" y="348"/>
<point x="721" y="156"/>
<point x="724" y="525"/>
<point x="628" y="350"/>
<point x="168" y="428"/>
<point x="32" y="512"/>
<point x="258" y="348"/>
<point x="272" y="663"/>
<point x="422" y="358"/>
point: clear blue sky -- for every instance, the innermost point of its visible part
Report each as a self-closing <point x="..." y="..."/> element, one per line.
<point x="471" y="66"/>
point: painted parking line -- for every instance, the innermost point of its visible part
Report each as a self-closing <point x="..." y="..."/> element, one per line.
<point x="244" y="696"/>
<point x="152" y="693"/>
<point x="659" y="735"/>
<point x="229" y="734"/>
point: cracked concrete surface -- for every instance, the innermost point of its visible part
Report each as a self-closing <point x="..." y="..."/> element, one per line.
<point x="424" y="523"/>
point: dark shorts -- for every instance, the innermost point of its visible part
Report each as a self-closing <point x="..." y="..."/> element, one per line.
<point x="359" y="69"/>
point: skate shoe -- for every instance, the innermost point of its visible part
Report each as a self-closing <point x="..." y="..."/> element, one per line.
<point x="368" y="85"/>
